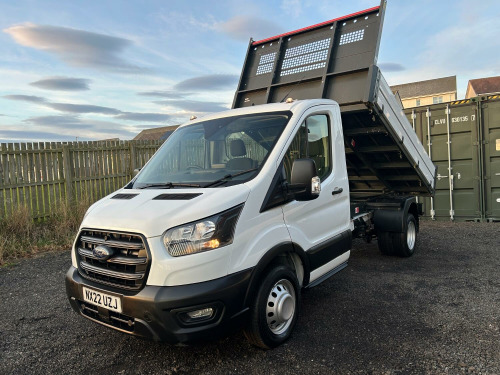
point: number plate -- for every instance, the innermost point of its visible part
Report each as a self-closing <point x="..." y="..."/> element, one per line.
<point x="102" y="299"/>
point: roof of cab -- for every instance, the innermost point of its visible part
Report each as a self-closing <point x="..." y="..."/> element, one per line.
<point x="295" y="106"/>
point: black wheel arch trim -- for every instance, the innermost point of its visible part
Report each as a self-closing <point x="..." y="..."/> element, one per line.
<point x="389" y="219"/>
<point x="266" y="261"/>
<point x="316" y="257"/>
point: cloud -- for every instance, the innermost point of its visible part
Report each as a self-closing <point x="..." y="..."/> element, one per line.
<point x="439" y="53"/>
<point x="208" y="82"/>
<point x="88" y="108"/>
<point x="391" y="67"/>
<point x="135" y="116"/>
<point x="244" y="27"/>
<point x="438" y="58"/>
<point x="83" y="128"/>
<point x="29" y="136"/>
<point x="194" y="105"/>
<point x="62" y="84"/>
<point x="83" y="108"/>
<point x="179" y="91"/>
<point x="26" y="98"/>
<point x="76" y="47"/>
<point x="237" y="27"/>
<point x="152" y="126"/>
<point x="164" y="94"/>
<point x="67" y="121"/>
<point x="291" y="8"/>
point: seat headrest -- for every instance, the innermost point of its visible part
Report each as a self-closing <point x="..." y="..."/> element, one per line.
<point x="238" y="148"/>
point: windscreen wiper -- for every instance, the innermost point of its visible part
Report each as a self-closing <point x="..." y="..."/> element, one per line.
<point x="228" y="177"/>
<point x="167" y="185"/>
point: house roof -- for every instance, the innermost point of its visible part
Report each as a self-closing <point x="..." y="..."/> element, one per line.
<point x="487" y="85"/>
<point x="155" y="134"/>
<point x="426" y="88"/>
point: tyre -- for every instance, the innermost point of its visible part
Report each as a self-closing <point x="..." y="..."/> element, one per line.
<point x="404" y="243"/>
<point x="275" y="309"/>
<point x="385" y="244"/>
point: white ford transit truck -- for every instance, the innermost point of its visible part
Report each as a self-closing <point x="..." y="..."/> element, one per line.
<point x="239" y="211"/>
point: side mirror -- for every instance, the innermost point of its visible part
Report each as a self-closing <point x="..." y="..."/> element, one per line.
<point x="136" y="171"/>
<point x="305" y="183"/>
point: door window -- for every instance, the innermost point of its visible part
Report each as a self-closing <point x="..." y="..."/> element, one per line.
<point x="311" y="141"/>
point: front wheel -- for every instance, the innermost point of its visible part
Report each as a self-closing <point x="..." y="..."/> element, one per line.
<point x="275" y="309"/>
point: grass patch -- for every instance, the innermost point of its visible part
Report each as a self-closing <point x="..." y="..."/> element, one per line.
<point x="21" y="236"/>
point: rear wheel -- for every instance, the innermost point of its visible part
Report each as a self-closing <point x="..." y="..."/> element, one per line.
<point x="275" y="309"/>
<point x="404" y="243"/>
<point x="385" y="243"/>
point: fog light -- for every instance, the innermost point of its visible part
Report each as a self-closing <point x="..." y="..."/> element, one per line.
<point x="201" y="314"/>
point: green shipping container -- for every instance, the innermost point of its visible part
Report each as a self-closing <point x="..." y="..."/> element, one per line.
<point x="490" y="133"/>
<point x="463" y="140"/>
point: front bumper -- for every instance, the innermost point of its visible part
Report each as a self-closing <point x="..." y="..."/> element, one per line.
<point x="157" y="312"/>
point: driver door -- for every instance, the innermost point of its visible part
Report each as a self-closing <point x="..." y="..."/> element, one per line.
<point x="321" y="226"/>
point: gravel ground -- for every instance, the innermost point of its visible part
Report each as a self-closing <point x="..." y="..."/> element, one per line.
<point x="435" y="313"/>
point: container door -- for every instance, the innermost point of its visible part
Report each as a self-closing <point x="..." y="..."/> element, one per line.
<point x="452" y="131"/>
<point x="491" y="149"/>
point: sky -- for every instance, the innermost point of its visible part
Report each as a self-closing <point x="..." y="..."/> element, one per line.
<point x="90" y="70"/>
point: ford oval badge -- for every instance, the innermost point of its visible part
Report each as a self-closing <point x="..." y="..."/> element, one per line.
<point x="102" y="252"/>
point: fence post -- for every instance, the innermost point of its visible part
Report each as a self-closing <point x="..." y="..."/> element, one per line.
<point x="132" y="158"/>
<point x="68" y="173"/>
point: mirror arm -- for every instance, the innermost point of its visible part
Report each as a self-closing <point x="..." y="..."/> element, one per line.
<point x="296" y="188"/>
<point x="289" y="190"/>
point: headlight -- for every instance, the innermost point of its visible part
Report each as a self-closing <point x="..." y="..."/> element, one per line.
<point x="203" y="235"/>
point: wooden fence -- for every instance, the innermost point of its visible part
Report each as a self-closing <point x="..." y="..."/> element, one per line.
<point x="40" y="175"/>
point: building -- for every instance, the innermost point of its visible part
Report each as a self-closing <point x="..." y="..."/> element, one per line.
<point x="155" y="134"/>
<point x="427" y="92"/>
<point x="482" y="86"/>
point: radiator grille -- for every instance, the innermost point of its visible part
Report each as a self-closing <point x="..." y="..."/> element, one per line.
<point x="127" y="266"/>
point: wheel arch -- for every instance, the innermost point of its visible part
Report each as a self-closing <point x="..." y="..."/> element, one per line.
<point x="413" y="209"/>
<point x="286" y="253"/>
<point x="394" y="220"/>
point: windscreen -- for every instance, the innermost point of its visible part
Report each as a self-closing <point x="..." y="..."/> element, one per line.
<point x="220" y="152"/>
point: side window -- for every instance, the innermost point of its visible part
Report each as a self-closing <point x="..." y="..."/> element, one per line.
<point x="311" y="141"/>
<point x="319" y="144"/>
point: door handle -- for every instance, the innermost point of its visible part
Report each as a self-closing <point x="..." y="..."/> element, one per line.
<point x="337" y="191"/>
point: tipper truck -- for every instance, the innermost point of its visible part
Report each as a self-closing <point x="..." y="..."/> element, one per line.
<point x="239" y="211"/>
